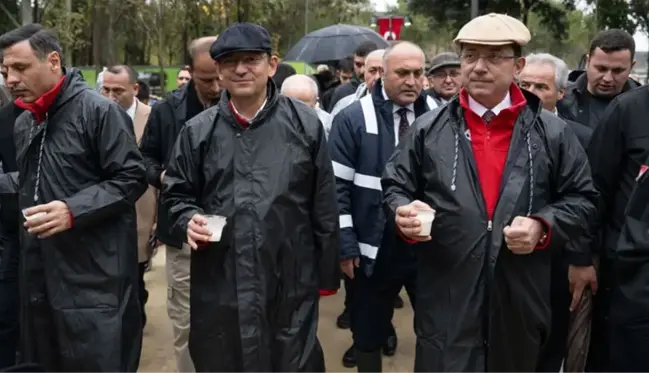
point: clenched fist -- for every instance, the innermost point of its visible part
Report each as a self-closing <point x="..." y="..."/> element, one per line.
<point x="523" y="235"/>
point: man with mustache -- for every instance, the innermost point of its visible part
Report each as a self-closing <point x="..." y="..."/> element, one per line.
<point x="444" y="77"/>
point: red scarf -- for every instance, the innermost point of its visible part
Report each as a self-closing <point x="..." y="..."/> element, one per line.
<point x="40" y="107"/>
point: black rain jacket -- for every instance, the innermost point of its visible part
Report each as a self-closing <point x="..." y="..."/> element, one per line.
<point x="79" y="299"/>
<point x="483" y="308"/>
<point x="254" y="295"/>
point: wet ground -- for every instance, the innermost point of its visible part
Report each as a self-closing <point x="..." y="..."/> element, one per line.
<point x="158" y="356"/>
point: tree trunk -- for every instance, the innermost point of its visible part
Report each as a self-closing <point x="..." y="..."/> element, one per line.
<point x="68" y="55"/>
<point x="26" y="12"/>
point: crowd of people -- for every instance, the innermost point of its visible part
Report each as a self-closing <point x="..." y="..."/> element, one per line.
<point x="508" y="201"/>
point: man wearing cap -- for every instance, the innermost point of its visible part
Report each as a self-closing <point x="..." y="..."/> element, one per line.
<point x="487" y="260"/>
<point x="444" y="77"/>
<point x="363" y="136"/>
<point x="260" y="160"/>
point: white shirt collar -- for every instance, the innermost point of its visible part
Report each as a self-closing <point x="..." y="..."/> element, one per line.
<point x="131" y="111"/>
<point x="477" y="107"/>
<point x="395" y="106"/>
<point x="254" y="116"/>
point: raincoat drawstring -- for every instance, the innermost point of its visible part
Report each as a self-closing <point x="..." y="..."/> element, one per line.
<point x="530" y="170"/>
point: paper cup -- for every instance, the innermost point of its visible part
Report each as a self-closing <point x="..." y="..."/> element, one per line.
<point x="426" y="217"/>
<point x="33" y="216"/>
<point x="215" y="224"/>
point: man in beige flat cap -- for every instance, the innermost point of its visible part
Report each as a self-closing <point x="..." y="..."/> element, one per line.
<point x="509" y="184"/>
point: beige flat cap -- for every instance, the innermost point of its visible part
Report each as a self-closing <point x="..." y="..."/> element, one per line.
<point x="494" y="29"/>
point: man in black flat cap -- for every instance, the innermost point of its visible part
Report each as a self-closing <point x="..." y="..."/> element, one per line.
<point x="260" y="160"/>
<point x="444" y="77"/>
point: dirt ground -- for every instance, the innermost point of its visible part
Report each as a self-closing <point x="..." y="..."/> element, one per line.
<point x="157" y="351"/>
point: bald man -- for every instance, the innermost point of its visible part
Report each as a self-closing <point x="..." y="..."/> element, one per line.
<point x="305" y="89"/>
<point x="166" y="120"/>
<point x="373" y="70"/>
<point x="363" y="136"/>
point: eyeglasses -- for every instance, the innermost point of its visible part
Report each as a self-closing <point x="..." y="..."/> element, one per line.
<point x="492" y="58"/>
<point x="248" y="62"/>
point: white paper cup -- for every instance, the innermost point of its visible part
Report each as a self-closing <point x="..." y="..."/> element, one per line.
<point x="215" y="224"/>
<point x="33" y="216"/>
<point x="426" y="217"/>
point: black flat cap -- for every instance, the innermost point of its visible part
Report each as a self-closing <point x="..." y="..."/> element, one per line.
<point x="241" y="37"/>
<point x="444" y="59"/>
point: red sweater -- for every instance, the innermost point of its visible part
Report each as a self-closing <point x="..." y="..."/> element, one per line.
<point x="490" y="145"/>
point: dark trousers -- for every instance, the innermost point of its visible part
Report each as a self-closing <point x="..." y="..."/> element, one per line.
<point x="555" y="348"/>
<point x="372" y="304"/>
<point x="9" y="305"/>
<point x="143" y="293"/>
<point x="599" y="351"/>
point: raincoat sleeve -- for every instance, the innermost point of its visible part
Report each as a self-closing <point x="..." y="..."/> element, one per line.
<point x="400" y="181"/>
<point x="9" y="183"/>
<point x="122" y="171"/>
<point x="324" y="215"/>
<point x="151" y="147"/>
<point x="344" y="151"/>
<point x="181" y="187"/>
<point x="571" y="213"/>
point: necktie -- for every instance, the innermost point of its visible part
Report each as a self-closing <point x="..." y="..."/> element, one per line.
<point x="488" y="116"/>
<point x="403" y="122"/>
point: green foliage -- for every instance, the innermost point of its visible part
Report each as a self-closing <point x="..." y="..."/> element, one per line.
<point x="614" y="14"/>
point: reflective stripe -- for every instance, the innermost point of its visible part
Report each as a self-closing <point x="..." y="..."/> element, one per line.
<point x="369" y="115"/>
<point x="345" y="221"/>
<point x="342" y="171"/>
<point x="366" y="181"/>
<point x="432" y="104"/>
<point x="368" y="250"/>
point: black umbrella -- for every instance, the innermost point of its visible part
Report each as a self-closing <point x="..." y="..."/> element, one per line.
<point x="332" y="43"/>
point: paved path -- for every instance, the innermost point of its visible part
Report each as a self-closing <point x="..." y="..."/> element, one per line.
<point x="157" y="352"/>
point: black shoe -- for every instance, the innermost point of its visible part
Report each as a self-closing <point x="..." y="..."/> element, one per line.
<point x="343" y="321"/>
<point x="349" y="357"/>
<point x="398" y="302"/>
<point x="390" y="346"/>
<point x="369" y="361"/>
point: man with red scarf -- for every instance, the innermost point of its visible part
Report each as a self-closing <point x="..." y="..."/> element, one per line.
<point x="80" y="175"/>
<point x="509" y="183"/>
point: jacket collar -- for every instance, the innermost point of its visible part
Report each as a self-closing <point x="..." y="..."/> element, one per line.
<point x="529" y="111"/>
<point x="420" y="105"/>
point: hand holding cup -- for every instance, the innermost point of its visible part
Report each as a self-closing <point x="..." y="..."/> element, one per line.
<point x="414" y="220"/>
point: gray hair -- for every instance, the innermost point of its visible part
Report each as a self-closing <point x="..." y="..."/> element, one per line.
<point x="390" y="49"/>
<point x="561" y="69"/>
<point x="299" y="82"/>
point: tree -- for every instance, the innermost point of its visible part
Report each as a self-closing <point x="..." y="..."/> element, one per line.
<point x="551" y="13"/>
<point x="613" y="14"/>
<point x="640" y="9"/>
